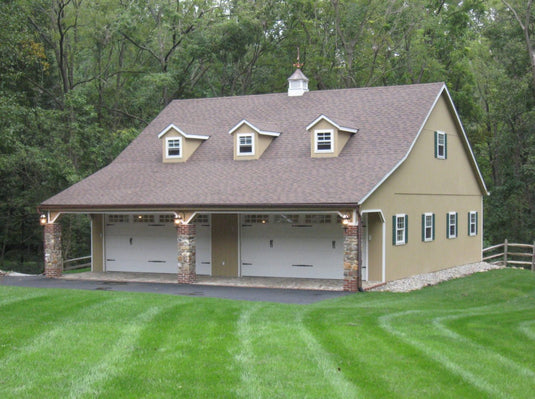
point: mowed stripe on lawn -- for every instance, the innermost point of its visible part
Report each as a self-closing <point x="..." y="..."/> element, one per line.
<point x="482" y="366"/>
<point x="469" y="338"/>
<point x="270" y="342"/>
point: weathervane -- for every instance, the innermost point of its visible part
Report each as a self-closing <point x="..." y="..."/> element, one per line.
<point x="298" y="64"/>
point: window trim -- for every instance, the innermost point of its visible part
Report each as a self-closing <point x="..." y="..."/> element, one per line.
<point x="316" y="141"/>
<point x="472" y="232"/>
<point x="239" y="136"/>
<point x="438" y="145"/>
<point x="404" y="230"/>
<point x="425" y="227"/>
<point x="449" y="225"/>
<point x="167" y="148"/>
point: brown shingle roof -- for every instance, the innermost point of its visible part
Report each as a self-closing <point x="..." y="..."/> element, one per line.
<point x="388" y="120"/>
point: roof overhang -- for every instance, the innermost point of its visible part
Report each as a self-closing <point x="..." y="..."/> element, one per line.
<point x="186" y="135"/>
<point x="253" y="127"/>
<point x="336" y="125"/>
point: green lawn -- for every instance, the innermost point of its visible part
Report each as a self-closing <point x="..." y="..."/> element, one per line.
<point x="467" y="338"/>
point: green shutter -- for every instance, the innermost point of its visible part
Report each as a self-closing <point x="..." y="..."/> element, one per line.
<point x="394" y="230"/>
<point x="477" y="222"/>
<point x="436" y="144"/>
<point x="456" y="224"/>
<point x="445" y="146"/>
<point x="423" y="226"/>
<point x="433" y="226"/>
<point x="447" y="225"/>
<point x="469" y="223"/>
<point x="406" y="229"/>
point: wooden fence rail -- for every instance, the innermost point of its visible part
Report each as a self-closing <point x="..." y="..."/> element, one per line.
<point x="508" y="257"/>
<point x="75" y="265"/>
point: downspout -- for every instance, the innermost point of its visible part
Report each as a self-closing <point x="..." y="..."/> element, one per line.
<point x="359" y="249"/>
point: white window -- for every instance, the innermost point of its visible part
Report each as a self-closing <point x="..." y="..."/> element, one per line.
<point x="173" y="147"/>
<point x="451" y="219"/>
<point x="118" y="218"/>
<point x="441" y="145"/>
<point x="245" y="144"/>
<point x="400" y="225"/>
<point x="286" y="219"/>
<point x="428" y="227"/>
<point x="318" y="219"/>
<point x="202" y="219"/>
<point x="166" y="218"/>
<point x="323" y="141"/>
<point x="472" y="223"/>
<point x="251" y="219"/>
<point x="144" y="219"/>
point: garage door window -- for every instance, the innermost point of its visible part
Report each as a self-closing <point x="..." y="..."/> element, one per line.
<point x="118" y="218"/>
<point x="202" y="220"/>
<point x="250" y="219"/>
<point x="318" y="219"/>
<point x="286" y="219"/>
<point x="144" y="219"/>
<point x="166" y="218"/>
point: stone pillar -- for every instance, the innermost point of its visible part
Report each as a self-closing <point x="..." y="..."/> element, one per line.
<point x="186" y="253"/>
<point x="53" y="255"/>
<point x="351" y="262"/>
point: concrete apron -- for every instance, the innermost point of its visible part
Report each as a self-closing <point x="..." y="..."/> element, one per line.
<point x="258" y="282"/>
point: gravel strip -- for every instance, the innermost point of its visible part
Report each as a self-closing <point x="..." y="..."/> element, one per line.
<point x="423" y="280"/>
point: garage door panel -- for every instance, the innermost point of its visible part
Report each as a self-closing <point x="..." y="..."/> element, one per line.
<point x="283" y="250"/>
<point x="141" y="247"/>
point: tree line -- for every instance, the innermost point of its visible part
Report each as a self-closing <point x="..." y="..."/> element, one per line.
<point x="79" y="79"/>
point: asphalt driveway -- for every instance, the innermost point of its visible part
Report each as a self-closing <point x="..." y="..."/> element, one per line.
<point x="292" y="296"/>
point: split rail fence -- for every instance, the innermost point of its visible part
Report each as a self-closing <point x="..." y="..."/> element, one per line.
<point x="508" y="254"/>
<point x="77" y="263"/>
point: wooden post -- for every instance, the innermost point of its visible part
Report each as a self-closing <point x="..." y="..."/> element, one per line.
<point x="505" y="252"/>
<point x="533" y="258"/>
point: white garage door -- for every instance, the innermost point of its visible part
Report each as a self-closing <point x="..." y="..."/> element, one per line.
<point x="141" y="243"/>
<point x="303" y="246"/>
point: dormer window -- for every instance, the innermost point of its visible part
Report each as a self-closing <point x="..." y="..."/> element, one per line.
<point x="245" y="144"/>
<point x="177" y="145"/>
<point x="324" y="141"/>
<point x="174" y="147"/>
<point x="250" y="141"/>
<point x="327" y="137"/>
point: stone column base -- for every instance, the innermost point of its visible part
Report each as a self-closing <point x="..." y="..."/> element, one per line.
<point x="351" y="263"/>
<point x="186" y="253"/>
<point x="53" y="255"/>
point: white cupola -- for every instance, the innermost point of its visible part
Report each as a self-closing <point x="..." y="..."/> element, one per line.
<point x="297" y="83"/>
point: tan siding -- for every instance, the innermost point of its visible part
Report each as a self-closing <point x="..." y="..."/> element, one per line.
<point x="426" y="184"/>
<point x="375" y="249"/>
<point x="97" y="243"/>
<point x="225" y="255"/>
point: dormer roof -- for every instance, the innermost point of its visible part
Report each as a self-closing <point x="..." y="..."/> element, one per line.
<point x="172" y="126"/>
<point x="255" y="128"/>
<point x="333" y="123"/>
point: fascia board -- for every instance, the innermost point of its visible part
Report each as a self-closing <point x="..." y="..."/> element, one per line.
<point x="336" y="125"/>
<point x="186" y="135"/>
<point x="259" y="131"/>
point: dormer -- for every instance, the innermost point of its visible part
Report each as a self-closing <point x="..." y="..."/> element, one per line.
<point x="177" y="145"/>
<point x="250" y="142"/>
<point x="297" y="83"/>
<point x="328" y="138"/>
